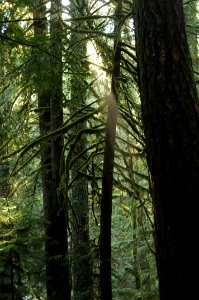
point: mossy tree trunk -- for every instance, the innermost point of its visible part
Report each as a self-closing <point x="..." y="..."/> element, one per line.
<point x="7" y="288"/>
<point x="51" y="118"/>
<point x="108" y="166"/>
<point x="81" y="255"/>
<point x="171" y="121"/>
<point x="58" y="278"/>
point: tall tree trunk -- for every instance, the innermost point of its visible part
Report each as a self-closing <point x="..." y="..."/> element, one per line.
<point x="171" y="121"/>
<point x="108" y="165"/>
<point x="51" y="118"/>
<point x="58" y="267"/>
<point x="4" y="166"/>
<point x="7" y="284"/>
<point x="40" y="31"/>
<point x="81" y="255"/>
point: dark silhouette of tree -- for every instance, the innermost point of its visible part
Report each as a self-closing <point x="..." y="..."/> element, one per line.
<point x="108" y="165"/>
<point x="171" y="121"/>
<point x="50" y="119"/>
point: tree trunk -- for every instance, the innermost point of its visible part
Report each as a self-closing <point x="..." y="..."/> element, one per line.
<point x="108" y="165"/>
<point x="51" y="118"/>
<point x="58" y="283"/>
<point x="81" y="256"/>
<point x="171" y="122"/>
<point x="7" y="283"/>
<point x="136" y="266"/>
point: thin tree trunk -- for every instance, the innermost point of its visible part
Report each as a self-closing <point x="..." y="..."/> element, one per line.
<point x="171" y="121"/>
<point x="108" y="165"/>
<point x="137" y="271"/>
<point x="7" y="289"/>
<point x="81" y="255"/>
<point x="40" y="30"/>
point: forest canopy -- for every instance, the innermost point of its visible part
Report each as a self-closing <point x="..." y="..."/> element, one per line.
<point x="99" y="149"/>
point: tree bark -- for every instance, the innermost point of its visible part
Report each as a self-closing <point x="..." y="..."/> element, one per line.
<point x="57" y="247"/>
<point x="7" y="283"/>
<point x="108" y="166"/>
<point x="51" y="118"/>
<point x="81" y="255"/>
<point x="171" y="121"/>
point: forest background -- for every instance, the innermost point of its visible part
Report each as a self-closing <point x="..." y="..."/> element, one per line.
<point x="77" y="220"/>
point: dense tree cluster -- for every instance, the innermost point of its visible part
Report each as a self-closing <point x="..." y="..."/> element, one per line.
<point x="99" y="149"/>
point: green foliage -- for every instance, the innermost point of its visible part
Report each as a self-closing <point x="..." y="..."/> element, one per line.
<point x="26" y="67"/>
